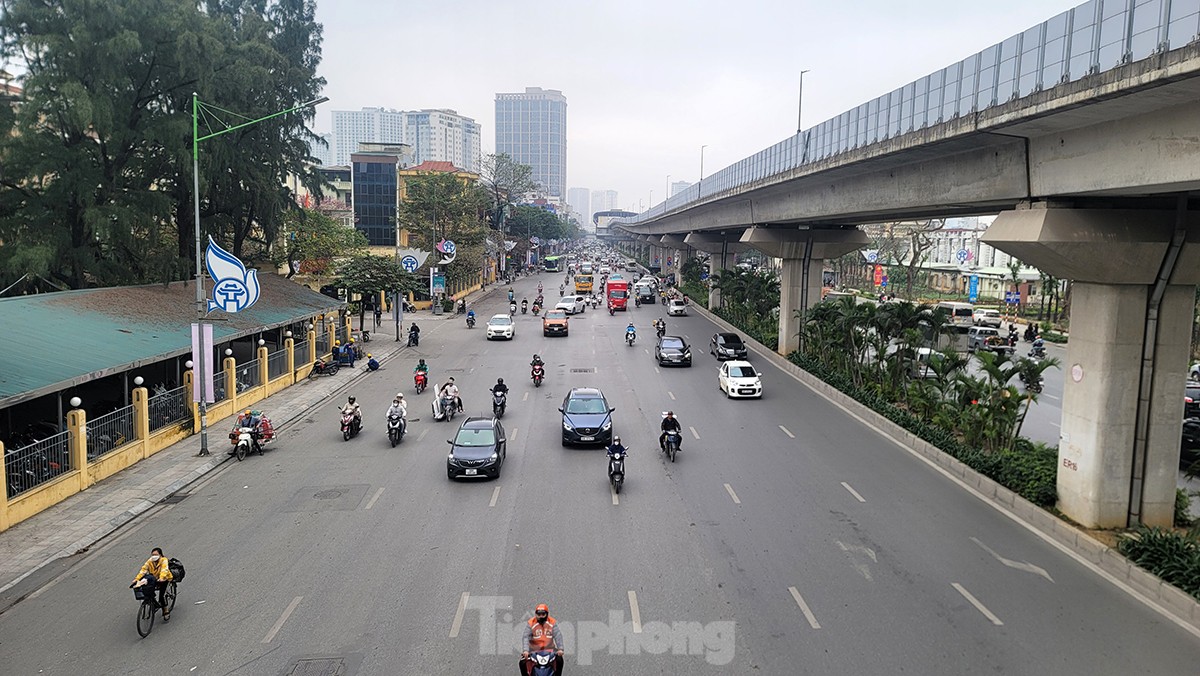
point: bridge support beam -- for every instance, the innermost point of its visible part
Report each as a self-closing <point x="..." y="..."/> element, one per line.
<point x="675" y="251"/>
<point x="803" y="254"/>
<point x="1132" y="299"/>
<point x="722" y="248"/>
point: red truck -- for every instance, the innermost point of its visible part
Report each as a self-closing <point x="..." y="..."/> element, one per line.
<point x="617" y="292"/>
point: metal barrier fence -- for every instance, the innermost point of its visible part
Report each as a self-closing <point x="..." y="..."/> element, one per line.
<point x="219" y="387"/>
<point x="322" y="343"/>
<point x="1094" y="37"/>
<point x="109" y="431"/>
<point x="37" y="463"/>
<point x="301" y="351"/>
<point x="168" y="408"/>
<point x="277" y="364"/>
<point x="247" y="376"/>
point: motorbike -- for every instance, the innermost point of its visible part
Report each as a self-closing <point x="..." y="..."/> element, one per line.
<point x="420" y="379"/>
<point x="1038" y="353"/>
<point x="661" y="329"/>
<point x="499" y="401"/>
<point x="396" y="427"/>
<point x="414" y="339"/>
<point x="245" y="440"/>
<point x="616" y="470"/>
<point x="351" y="425"/>
<point x="512" y="308"/>
<point x="320" y="368"/>
<point x="524" y="307"/>
<point x="538" y="374"/>
<point x="630" y="336"/>
<point x="536" y="309"/>
<point x="612" y="309"/>
<point x="671" y="444"/>
<point x="1034" y="386"/>
<point x="543" y="662"/>
<point x="470" y="321"/>
<point x="444" y="408"/>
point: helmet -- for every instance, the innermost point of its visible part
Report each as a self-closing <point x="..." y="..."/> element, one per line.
<point x="542" y="608"/>
<point x="670" y="414"/>
<point x="499" y="381"/>
<point x="351" y="400"/>
<point x="337" y="342"/>
<point x="368" y="355"/>
<point x="399" y="395"/>
<point x="616" y="440"/>
<point x="247" y="412"/>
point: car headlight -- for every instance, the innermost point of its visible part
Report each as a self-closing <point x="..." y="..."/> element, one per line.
<point x="495" y="456"/>
<point x="607" y="425"/>
<point x="687" y="355"/>
<point x="567" y="426"/>
<point x="450" y="457"/>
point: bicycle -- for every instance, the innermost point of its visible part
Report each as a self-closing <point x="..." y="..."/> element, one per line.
<point x="149" y="605"/>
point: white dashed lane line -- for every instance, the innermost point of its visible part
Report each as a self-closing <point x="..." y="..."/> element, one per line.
<point x="694" y="432"/>
<point x="733" y="495"/>
<point x="853" y="492"/>
<point x="495" y="497"/>
<point x="808" y="613"/>
<point x="978" y="606"/>
<point x="282" y="618"/>
<point x="787" y="431"/>
<point x="458" y="615"/>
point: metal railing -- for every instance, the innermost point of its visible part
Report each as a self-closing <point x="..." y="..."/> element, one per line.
<point x="168" y="408"/>
<point x="109" y="432"/>
<point x="30" y="466"/>
<point x="247" y="376"/>
<point x="1094" y="37"/>
<point x="300" y="349"/>
<point x="322" y="343"/>
<point x="277" y="364"/>
<point x="219" y="394"/>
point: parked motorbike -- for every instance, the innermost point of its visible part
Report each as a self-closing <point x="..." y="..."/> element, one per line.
<point x="420" y="380"/>
<point x="351" y="425"/>
<point x="396" y="426"/>
<point x="499" y="401"/>
<point x="470" y="321"/>
<point x="671" y="444"/>
<point x="320" y="368"/>
<point x="538" y="374"/>
<point x="616" y="470"/>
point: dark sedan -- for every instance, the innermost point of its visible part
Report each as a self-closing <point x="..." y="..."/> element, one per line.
<point x="727" y="346"/>
<point x="673" y="350"/>
<point x="478" y="450"/>
<point x="586" y="417"/>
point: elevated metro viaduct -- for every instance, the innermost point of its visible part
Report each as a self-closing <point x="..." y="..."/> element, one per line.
<point x="1096" y="180"/>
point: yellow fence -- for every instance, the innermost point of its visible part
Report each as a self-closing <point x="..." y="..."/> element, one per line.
<point x="86" y="472"/>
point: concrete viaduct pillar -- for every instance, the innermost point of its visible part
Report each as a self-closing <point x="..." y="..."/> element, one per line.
<point x="803" y="254"/>
<point x="722" y="248"/>
<point x="675" y="248"/>
<point x="1132" y="299"/>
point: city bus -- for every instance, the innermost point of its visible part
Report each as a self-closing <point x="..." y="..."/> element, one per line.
<point x="583" y="283"/>
<point x="550" y="264"/>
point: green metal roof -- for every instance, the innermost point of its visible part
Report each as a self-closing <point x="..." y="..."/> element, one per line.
<point x="76" y="336"/>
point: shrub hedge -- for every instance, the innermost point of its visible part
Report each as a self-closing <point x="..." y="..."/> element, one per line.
<point x="1172" y="555"/>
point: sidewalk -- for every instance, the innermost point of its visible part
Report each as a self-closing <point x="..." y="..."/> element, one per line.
<point x="75" y="524"/>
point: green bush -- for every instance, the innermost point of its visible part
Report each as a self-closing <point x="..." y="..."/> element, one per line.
<point x="695" y="292"/>
<point x="1183" y="503"/>
<point x="1172" y="555"/>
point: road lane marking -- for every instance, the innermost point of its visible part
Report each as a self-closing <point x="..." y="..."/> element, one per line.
<point x="1018" y="565"/>
<point x="615" y="497"/>
<point x="862" y="568"/>
<point x="733" y="495"/>
<point x="978" y="606"/>
<point x="458" y="614"/>
<point x="853" y="492"/>
<point x="282" y="618"/>
<point x="526" y="397"/>
<point x="1052" y="397"/>
<point x="374" y="498"/>
<point x="656" y="370"/>
<point x="808" y="613"/>
<point x="495" y="497"/>
<point x="645" y="350"/>
<point x="512" y="436"/>
<point x="694" y="432"/>
<point x="422" y="434"/>
<point x="785" y="431"/>
<point x="635" y="614"/>
<point x="1056" y="424"/>
<point x="672" y="395"/>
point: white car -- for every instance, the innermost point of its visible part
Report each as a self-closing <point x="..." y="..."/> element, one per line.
<point x="982" y="317"/>
<point x="501" y="326"/>
<point x="739" y="379"/>
<point x="571" y="304"/>
<point x="605" y="270"/>
<point x="676" y="308"/>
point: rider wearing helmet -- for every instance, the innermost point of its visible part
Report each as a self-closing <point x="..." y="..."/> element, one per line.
<point x="353" y="407"/>
<point x="499" y="387"/>
<point x="616" y="447"/>
<point x="398" y="406"/>
<point x="669" y="424"/>
<point x="541" y="633"/>
<point x="630" y="329"/>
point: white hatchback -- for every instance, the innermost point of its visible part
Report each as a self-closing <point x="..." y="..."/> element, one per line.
<point x="571" y="304"/>
<point x="501" y="326"/>
<point x="676" y="308"/>
<point x="739" y="379"/>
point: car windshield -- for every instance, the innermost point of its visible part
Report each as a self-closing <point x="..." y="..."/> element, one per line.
<point x="731" y="341"/>
<point x="567" y="300"/>
<point x="742" y="372"/>
<point x="616" y="293"/>
<point x="586" y="406"/>
<point x="469" y="437"/>
<point x="672" y="343"/>
<point x="557" y="314"/>
<point x="500" y="320"/>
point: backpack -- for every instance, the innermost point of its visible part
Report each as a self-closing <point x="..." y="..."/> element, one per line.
<point x="176" y="568"/>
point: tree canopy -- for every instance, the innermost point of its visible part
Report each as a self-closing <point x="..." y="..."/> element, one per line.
<point x="97" y="182"/>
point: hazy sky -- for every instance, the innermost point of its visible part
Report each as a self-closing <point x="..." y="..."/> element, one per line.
<point x="647" y="83"/>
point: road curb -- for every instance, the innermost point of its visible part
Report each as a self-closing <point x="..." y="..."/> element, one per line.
<point x="1148" y="588"/>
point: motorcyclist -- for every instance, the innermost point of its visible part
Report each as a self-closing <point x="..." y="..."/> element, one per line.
<point x="156" y="573"/>
<point x="537" y="361"/>
<point x="414" y="335"/>
<point x="562" y="289"/>
<point x="500" y="387"/>
<point x="669" y="424"/>
<point x="539" y="289"/>
<point x="616" y="447"/>
<point x="398" y="407"/>
<point x="541" y="633"/>
<point x="630" y="330"/>
<point x="660" y="326"/>
<point x="353" y="407"/>
<point x="511" y="296"/>
<point x="1039" y="346"/>
<point x="450" y="390"/>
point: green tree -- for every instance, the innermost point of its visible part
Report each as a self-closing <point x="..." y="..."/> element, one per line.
<point x="506" y="181"/>
<point x="309" y="236"/>
<point x="368" y="275"/>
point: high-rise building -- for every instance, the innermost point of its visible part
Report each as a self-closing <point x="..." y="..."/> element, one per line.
<point x="603" y="200"/>
<point x="678" y="187"/>
<point x="436" y="135"/>
<point x="580" y="201"/>
<point x="374" y="171"/>
<point x="322" y="152"/>
<point x="531" y="128"/>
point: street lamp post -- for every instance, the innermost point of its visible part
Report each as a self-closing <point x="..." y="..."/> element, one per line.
<point x="800" y="105"/>
<point x="668" y="193"/>
<point x="702" y="161"/>
<point x="201" y="301"/>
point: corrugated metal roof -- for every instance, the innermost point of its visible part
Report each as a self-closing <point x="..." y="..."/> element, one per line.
<point x="79" y="336"/>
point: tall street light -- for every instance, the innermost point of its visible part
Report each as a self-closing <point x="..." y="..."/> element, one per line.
<point x="201" y="301"/>
<point x="668" y="186"/>
<point x="702" y="161"/>
<point x="800" y="105"/>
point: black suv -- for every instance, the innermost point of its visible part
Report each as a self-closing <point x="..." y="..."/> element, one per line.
<point x="478" y="450"/>
<point x="586" y="417"/>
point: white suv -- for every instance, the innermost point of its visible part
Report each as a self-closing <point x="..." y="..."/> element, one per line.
<point x="983" y="317"/>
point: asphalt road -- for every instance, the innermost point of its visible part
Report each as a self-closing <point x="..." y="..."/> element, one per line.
<point x="788" y="538"/>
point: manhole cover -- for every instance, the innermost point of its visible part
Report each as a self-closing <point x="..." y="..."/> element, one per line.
<point x="329" y="498"/>
<point x="319" y="667"/>
<point x="328" y="495"/>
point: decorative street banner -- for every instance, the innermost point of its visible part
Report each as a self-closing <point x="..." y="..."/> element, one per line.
<point x="234" y="288"/>
<point x="535" y="241"/>
<point x="411" y="259"/>
<point x="447" y="248"/>
<point x="509" y="245"/>
<point x="437" y="284"/>
<point x="202" y="343"/>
